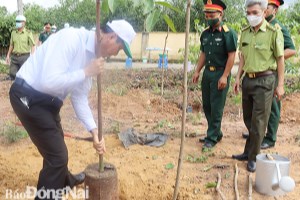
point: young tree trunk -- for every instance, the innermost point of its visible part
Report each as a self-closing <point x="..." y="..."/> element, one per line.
<point x="20" y="7"/>
<point x="187" y="31"/>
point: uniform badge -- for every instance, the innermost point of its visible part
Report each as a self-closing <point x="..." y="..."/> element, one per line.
<point x="218" y="39"/>
<point x="205" y="39"/>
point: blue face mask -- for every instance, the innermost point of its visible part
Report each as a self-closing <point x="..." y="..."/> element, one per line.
<point x="19" y="24"/>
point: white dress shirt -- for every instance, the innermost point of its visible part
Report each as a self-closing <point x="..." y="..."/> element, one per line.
<point x="57" y="69"/>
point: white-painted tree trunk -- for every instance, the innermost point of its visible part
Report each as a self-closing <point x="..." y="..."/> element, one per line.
<point x="20" y="7"/>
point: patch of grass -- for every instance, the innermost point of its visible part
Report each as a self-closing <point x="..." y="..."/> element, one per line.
<point x="4" y="69"/>
<point x="194" y="118"/>
<point x="115" y="127"/>
<point x="13" y="133"/>
<point x="169" y="166"/>
<point x="164" y="124"/>
<point x="119" y="90"/>
<point x="197" y="159"/>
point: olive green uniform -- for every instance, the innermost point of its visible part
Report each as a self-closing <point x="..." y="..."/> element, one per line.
<point x="260" y="51"/>
<point x="22" y="42"/>
<point x="216" y="44"/>
<point x="273" y="123"/>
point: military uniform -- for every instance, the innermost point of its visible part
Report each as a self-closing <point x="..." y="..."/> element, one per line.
<point x="260" y="50"/>
<point x="44" y="36"/>
<point x="22" y="43"/>
<point x="215" y="44"/>
<point x="273" y="123"/>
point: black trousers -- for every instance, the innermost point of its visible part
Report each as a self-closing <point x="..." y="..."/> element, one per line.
<point x="39" y="114"/>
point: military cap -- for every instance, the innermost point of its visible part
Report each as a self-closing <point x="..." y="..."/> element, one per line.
<point x="213" y="5"/>
<point x="276" y="2"/>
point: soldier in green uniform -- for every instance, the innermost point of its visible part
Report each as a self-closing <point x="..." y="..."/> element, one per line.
<point x="218" y="49"/>
<point x="45" y="34"/>
<point x="21" y="43"/>
<point x="262" y="53"/>
<point x="289" y="51"/>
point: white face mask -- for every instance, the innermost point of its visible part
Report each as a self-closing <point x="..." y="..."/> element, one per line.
<point x="254" y="20"/>
<point x="19" y="24"/>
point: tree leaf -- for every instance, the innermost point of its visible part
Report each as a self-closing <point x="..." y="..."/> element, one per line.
<point x="149" y="6"/>
<point x="211" y="185"/>
<point x="112" y="4"/>
<point x="169" y="166"/>
<point x="151" y="20"/>
<point x="104" y="7"/>
<point x="169" y="22"/>
<point x="167" y="5"/>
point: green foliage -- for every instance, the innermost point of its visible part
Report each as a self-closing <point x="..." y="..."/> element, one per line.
<point x="12" y="133"/>
<point x="4" y="69"/>
<point x="194" y="118"/>
<point x="6" y="27"/>
<point x="169" y="166"/>
<point x="197" y="159"/>
<point x="211" y="185"/>
<point x="118" y="89"/>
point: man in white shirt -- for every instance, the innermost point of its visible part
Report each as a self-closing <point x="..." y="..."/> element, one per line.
<point x="63" y="65"/>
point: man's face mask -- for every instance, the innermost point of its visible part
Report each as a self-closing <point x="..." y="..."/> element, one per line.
<point x="19" y="24"/>
<point x="213" y="22"/>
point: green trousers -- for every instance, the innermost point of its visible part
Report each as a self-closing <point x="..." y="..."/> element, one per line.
<point x="274" y="119"/>
<point x="16" y="63"/>
<point x="213" y="103"/>
<point x="257" y="96"/>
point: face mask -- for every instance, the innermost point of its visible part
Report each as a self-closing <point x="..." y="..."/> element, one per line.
<point x="254" y="20"/>
<point x="19" y="25"/>
<point x="269" y="17"/>
<point x="212" y="22"/>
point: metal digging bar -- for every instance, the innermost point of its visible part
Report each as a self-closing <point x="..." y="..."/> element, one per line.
<point x="101" y="163"/>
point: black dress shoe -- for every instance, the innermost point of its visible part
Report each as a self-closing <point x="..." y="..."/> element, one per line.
<point x="79" y="178"/>
<point x="245" y="135"/>
<point x="240" y="157"/>
<point x="251" y="166"/>
<point x="266" y="146"/>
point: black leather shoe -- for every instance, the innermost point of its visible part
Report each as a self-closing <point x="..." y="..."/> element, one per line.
<point x="240" y="157"/>
<point x="245" y="135"/>
<point x="79" y="178"/>
<point x="266" y="146"/>
<point x="251" y="166"/>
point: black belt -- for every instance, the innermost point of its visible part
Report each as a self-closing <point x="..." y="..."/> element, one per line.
<point x="20" y="54"/>
<point x="259" y="74"/>
<point x="213" y="68"/>
<point x="22" y="83"/>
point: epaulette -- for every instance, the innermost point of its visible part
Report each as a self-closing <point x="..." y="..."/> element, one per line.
<point x="247" y="27"/>
<point x="277" y="26"/>
<point x="269" y="26"/>
<point x="225" y="28"/>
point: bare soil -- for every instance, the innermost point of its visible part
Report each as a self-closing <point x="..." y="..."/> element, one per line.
<point x="131" y="99"/>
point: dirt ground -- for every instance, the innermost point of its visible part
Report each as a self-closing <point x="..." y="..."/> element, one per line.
<point x="142" y="173"/>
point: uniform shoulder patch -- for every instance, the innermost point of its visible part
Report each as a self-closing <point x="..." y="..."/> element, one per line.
<point x="245" y="28"/>
<point x="225" y="28"/>
<point x="277" y="26"/>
